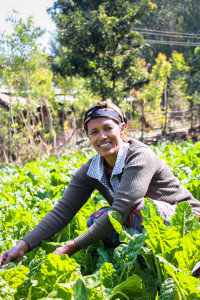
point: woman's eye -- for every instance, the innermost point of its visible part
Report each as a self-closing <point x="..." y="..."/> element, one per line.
<point x="93" y="132"/>
<point x="108" y="128"/>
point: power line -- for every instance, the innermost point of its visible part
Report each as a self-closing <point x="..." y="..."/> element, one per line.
<point x="171" y="33"/>
<point x="175" y="43"/>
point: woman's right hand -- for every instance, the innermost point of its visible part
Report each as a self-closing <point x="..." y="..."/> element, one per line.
<point x="16" y="252"/>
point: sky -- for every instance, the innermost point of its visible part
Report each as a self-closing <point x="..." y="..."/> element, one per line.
<point x="36" y="8"/>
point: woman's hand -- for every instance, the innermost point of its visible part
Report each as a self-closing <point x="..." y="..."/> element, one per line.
<point x="68" y="249"/>
<point x="16" y="252"/>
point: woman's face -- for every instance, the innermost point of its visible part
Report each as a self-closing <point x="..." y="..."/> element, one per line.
<point x="105" y="135"/>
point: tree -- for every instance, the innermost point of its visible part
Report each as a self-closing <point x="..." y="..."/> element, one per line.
<point x="182" y="18"/>
<point x="25" y="73"/>
<point x="98" y="42"/>
<point x="178" y="98"/>
<point x="179" y="16"/>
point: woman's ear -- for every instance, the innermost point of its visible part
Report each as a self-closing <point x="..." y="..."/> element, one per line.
<point x="122" y="129"/>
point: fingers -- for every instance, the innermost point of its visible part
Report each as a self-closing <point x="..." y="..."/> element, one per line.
<point x="16" y="252"/>
<point x="19" y="258"/>
<point x="9" y="256"/>
<point x="60" y="251"/>
<point x="69" y="249"/>
<point x="5" y="259"/>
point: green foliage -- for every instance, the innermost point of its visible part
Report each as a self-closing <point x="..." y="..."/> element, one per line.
<point x="18" y="61"/>
<point x="178" y="99"/>
<point x="170" y="250"/>
<point x="26" y="76"/>
<point x="44" y="276"/>
<point x="180" y="17"/>
<point x="184" y="160"/>
<point x="97" y="41"/>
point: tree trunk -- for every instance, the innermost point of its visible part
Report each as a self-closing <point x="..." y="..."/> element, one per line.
<point x="5" y="155"/>
<point x="26" y="124"/>
<point x="28" y="112"/>
<point x="51" y="130"/>
<point x="15" y="132"/>
<point x="42" y="114"/>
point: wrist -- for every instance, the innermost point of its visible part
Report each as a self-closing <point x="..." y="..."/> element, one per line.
<point x="72" y="248"/>
<point x="23" y="246"/>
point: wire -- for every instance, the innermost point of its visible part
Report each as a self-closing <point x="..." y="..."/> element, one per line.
<point x="170" y="35"/>
<point x="192" y="35"/>
<point x="175" y="43"/>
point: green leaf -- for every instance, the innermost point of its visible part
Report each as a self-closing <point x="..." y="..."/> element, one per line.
<point x="14" y="277"/>
<point x="80" y="290"/>
<point x="109" y="276"/>
<point x="188" y="287"/>
<point x="188" y="253"/>
<point x="64" y="292"/>
<point x="116" y="220"/>
<point x="92" y="281"/>
<point x="42" y="279"/>
<point x="6" y="292"/>
<point x="132" y="288"/>
<point x="149" y="210"/>
<point x="60" y="292"/>
<point x="98" y="293"/>
<point x="160" y="238"/>
<point x="167" y="291"/>
<point x="184" y="219"/>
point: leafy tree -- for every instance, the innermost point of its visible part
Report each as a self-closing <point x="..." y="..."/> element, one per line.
<point x="181" y="16"/>
<point x="98" y="42"/>
<point x="194" y="79"/>
<point x="178" y="98"/>
<point x="25" y="73"/>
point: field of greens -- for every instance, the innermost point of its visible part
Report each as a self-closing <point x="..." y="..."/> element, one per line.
<point x="170" y="250"/>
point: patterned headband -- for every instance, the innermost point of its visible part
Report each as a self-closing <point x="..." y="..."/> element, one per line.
<point x="104" y="109"/>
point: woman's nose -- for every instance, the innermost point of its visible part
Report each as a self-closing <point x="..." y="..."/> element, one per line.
<point x="102" y="134"/>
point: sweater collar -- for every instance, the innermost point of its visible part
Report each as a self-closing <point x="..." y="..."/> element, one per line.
<point x="97" y="169"/>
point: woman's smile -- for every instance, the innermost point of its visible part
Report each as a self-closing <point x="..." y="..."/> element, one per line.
<point x="105" y="145"/>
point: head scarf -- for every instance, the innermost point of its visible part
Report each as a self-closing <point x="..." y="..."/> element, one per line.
<point x="105" y="109"/>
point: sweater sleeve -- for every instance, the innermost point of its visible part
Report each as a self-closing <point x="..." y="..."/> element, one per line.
<point x="75" y="196"/>
<point x="135" y="181"/>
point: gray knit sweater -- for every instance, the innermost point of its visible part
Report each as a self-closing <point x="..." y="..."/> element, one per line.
<point x="144" y="175"/>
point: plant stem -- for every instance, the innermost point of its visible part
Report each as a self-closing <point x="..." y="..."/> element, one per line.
<point x="160" y="280"/>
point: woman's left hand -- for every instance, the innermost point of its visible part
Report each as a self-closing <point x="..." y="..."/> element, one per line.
<point x="68" y="249"/>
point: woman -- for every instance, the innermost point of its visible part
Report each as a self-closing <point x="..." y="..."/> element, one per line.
<point x="123" y="171"/>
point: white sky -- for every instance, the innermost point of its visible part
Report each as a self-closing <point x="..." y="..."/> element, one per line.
<point x="37" y="8"/>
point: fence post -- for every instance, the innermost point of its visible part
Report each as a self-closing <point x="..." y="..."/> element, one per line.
<point x="166" y="108"/>
<point x="142" y="128"/>
<point x="191" y="117"/>
<point x="166" y="119"/>
<point x="198" y="111"/>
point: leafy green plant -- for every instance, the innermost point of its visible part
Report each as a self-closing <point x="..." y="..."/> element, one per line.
<point x="154" y="264"/>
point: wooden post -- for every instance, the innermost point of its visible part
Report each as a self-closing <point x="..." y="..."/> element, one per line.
<point x="142" y="128"/>
<point x="198" y="111"/>
<point x="191" y="116"/>
<point x="166" y="108"/>
<point x="42" y="114"/>
<point x="51" y="129"/>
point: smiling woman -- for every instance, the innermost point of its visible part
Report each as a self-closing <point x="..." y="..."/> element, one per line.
<point x="123" y="171"/>
<point x="105" y="136"/>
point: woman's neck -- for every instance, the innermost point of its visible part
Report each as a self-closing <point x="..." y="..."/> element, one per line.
<point x="109" y="167"/>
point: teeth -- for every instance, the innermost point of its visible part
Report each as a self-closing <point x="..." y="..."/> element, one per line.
<point x="104" y="145"/>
